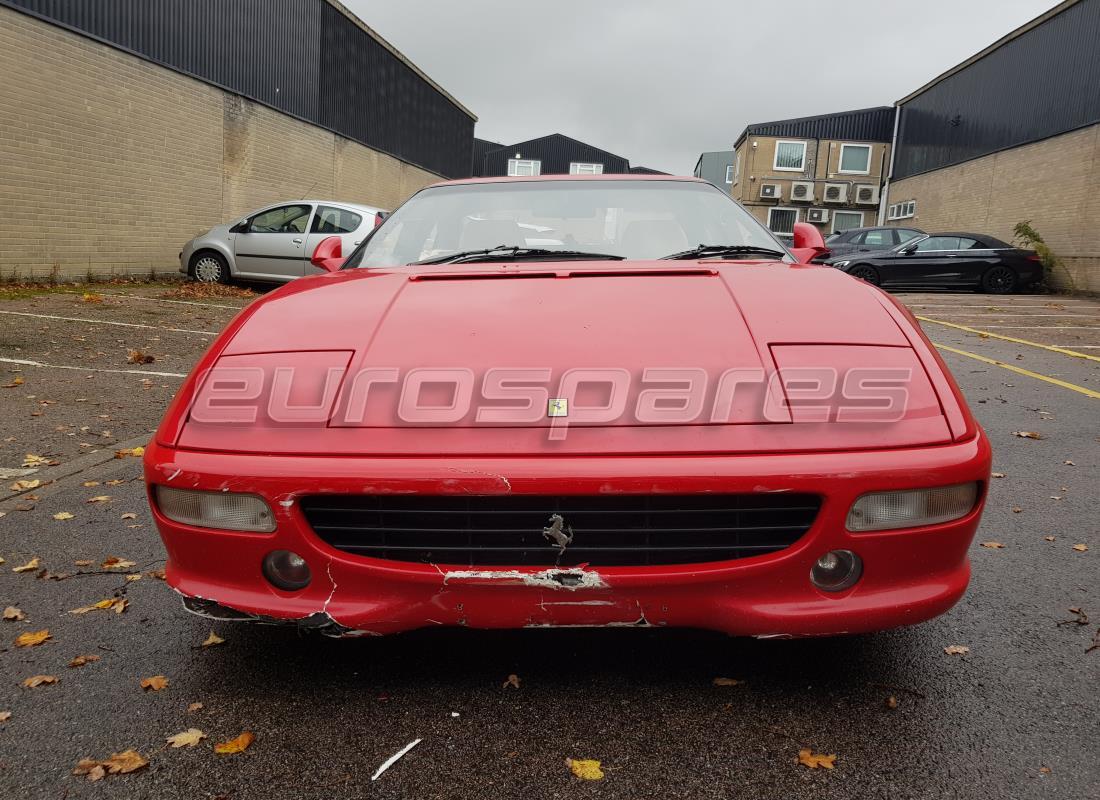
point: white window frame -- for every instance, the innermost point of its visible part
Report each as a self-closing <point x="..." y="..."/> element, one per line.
<point x="534" y="164"/>
<point x="840" y="163"/>
<point x="736" y="168"/>
<point x="904" y="210"/>
<point x="775" y="156"/>
<point x="846" y="211"/>
<point x="585" y="168"/>
<point x="796" y="211"/>
<point x="729" y="173"/>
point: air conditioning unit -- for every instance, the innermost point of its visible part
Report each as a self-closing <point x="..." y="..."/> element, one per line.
<point x="771" y="191"/>
<point x="867" y="194"/>
<point x="817" y="215"/>
<point x="802" y="191"/>
<point x="835" y="193"/>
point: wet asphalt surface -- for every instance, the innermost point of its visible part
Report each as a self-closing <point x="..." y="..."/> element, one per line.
<point x="1018" y="716"/>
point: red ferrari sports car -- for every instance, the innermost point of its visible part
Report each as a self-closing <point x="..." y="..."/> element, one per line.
<point x="570" y="401"/>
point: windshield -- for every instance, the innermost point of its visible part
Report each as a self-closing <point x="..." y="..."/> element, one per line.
<point x="642" y="219"/>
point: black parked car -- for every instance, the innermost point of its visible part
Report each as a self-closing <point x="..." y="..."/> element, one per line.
<point x="953" y="260"/>
<point x="865" y="240"/>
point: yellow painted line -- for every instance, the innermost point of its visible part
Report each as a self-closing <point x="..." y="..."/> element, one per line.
<point x="1065" y="385"/>
<point x="1064" y="351"/>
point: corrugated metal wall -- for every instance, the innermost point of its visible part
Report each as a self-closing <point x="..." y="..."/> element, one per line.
<point x="864" y="125"/>
<point x="303" y="57"/>
<point x="1044" y="83"/>
<point x="555" y="152"/>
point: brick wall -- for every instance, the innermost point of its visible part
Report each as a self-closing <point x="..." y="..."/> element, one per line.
<point x="109" y="163"/>
<point x="1054" y="183"/>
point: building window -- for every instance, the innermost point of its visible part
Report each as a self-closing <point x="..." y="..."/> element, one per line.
<point x="843" y="220"/>
<point x="790" y="156"/>
<point x="736" y="167"/>
<point x="524" y="167"/>
<point x="729" y="173"/>
<point x="855" y="159"/>
<point x="782" y="220"/>
<point x="578" y="168"/>
<point x="902" y="210"/>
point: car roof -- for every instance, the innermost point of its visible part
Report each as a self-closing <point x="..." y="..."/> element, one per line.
<point x="345" y="204"/>
<point x="615" y="177"/>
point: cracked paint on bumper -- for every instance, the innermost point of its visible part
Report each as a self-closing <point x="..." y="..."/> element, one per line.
<point x="909" y="575"/>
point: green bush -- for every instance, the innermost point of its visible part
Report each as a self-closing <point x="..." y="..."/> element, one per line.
<point x="1028" y="237"/>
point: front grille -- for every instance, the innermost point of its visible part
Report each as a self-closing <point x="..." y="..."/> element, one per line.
<point x="619" y="530"/>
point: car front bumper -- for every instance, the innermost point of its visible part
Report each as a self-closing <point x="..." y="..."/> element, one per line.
<point x="908" y="575"/>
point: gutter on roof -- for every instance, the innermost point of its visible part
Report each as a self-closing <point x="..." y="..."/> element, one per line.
<point x="1027" y="26"/>
<point x="401" y="56"/>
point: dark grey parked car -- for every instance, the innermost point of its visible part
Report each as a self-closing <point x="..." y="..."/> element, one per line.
<point x="865" y="240"/>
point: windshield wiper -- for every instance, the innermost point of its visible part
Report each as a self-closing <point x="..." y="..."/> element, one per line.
<point x="506" y="253"/>
<point x="722" y="250"/>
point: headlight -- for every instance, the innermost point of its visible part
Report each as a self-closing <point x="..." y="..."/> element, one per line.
<point x="227" y="511"/>
<point x="841" y="264"/>
<point x="883" y="511"/>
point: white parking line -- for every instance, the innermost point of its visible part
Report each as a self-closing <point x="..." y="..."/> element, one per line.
<point x="107" y="322"/>
<point x="1044" y="327"/>
<point x="26" y="363"/>
<point x="177" y="302"/>
<point x="1025" y="316"/>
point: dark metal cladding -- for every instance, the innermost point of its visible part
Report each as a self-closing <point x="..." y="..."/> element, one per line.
<point x="1040" y="84"/>
<point x="481" y="148"/>
<point x="302" y="57"/>
<point x="863" y="125"/>
<point x="555" y="152"/>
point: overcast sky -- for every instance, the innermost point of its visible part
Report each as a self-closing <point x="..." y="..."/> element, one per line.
<point x="659" y="81"/>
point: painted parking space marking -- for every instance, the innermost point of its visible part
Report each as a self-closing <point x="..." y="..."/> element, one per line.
<point x="23" y="362"/>
<point x="108" y="322"/>
<point x="1021" y="371"/>
<point x="1054" y="349"/>
<point x="176" y="302"/>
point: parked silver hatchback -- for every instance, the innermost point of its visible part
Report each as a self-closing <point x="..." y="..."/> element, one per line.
<point x="276" y="242"/>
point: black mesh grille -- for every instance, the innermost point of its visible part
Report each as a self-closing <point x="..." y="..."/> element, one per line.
<point x="620" y="530"/>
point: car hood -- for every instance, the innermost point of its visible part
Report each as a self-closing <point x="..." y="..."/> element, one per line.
<point x="642" y="320"/>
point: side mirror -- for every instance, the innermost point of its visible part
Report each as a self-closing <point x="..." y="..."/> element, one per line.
<point x="808" y="243"/>
<point x="329" y="254"/>
<point x="240" y="227"/>
<point x="908" y="251"/>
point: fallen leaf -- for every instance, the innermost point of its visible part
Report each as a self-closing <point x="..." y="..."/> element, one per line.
<point x="25" y="485"/>
<point x="139" y="357"/>
<point x="238" y="745"/>
<point x="156" y="573"/>
<point x="91" y="297"/>
<point x="155" y="683"/>
<point x="726" y="682"/>
<point x="117" y="482"/>
<point x="5" y="716"/>
<point x="116" y="604"/>
<point x="114" y="562"/>
<point x="13" y="614"/>
<point x="32" y="460"/>
<point x="194" y="707"/>
<point x="1016" y="509"/>
<point x="956" y="650"/>
<point x="1044" y="770"/>
<point x="31" y="638"/>
<point x="80" y="661"/>
<point x="118" y="763"/>
<point x="511" y="680"/>
<point x="996" y="474"/>
<point x="808" y="758"/>
<point x="1027" y="434"/>
<point x="1049" y="538"/>
<point x="29" y="566"/>
<point x="102" y="498"/>
<point x="129" y="515"/>
<point x="63" y="515"/>
<point x="1069" y="463"/>
<point x="891" y="702"/>
<point x="134" y="577"/>
<point x="587" y="769"/>
<point x="16" y="381"/>
<point x="212" y="640"/>
<point x="993" y="545"/>
<point x="1081" y="548"/>
<point x="133" y="451"/>
<point x="84" y="562"/>
<point x="90" y="484"/>
<point x="39" y="680"/>
<point x="188" y="738"/>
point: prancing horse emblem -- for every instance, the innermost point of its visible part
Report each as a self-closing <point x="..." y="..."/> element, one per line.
<point x="558" y="533"/>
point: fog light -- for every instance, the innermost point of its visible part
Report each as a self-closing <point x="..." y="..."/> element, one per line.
<point x="286" y="570"/>
<point x="883" y="511"/>
<point x="836" y="571"/>
<point x="227" y="511"/>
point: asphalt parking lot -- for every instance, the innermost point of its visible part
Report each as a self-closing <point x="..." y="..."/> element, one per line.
<point x="1015" y="716"/>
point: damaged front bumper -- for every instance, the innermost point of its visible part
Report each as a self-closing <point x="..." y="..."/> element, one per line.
<point x="908" y="575"/>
